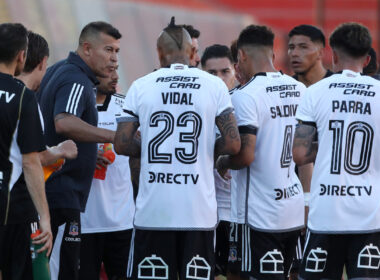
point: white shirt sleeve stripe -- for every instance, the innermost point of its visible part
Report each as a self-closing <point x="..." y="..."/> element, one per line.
<point x="70" y="97"/>
<point x="77" y="100"/>
<point x="72" y="103"/>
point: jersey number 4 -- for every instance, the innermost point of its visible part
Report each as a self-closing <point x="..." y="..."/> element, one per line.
<point x="359" y="138"/>
<point x="183" y="121"/>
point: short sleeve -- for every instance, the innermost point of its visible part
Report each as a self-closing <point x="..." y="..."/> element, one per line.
<point x="305" y="109"/>
<point x="245" y="110"/>
<point x="30" y="134"/>
<point x="130" y="107"/>
<point x="70" y="98"/>
<point x="224" y="99"/>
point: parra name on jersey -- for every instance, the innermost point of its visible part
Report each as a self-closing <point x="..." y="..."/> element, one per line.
<point x="180" y="98"/>
<point x="285" y="90"/>
<point x="350" y="106"/>
<point x="335" y="190"/>
<point x="170" y="178"/>
<point x="179" y="81"/>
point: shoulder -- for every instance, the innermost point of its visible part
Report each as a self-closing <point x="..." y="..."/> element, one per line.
<point x="292" y="80"/>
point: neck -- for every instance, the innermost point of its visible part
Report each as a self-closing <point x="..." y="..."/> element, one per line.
<point x="28" y="80"/>
<point x="171" y="59"/>
<point x="259" y="65"/>
<point x="9" y="69"/>
<point x="349" y="65"/>
<point x="313" y="75"/>
<point x="100" y="98"/>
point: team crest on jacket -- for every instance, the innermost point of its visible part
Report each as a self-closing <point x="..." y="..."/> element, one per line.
<point x="74" y="229"/>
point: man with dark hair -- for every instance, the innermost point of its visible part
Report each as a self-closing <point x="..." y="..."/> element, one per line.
<point x="108" y="220"/>
<point x="266" y="195"/>
<point x="305" y="49"/>
<point x="373" y="66"/>
<point x="69" y="109"/>
<point x="176" y="108"/>
<point x="342" y="127"/>
<point x="194" y="34"/>
<point x="217" y="60"/>
<point x="22" y="188"/>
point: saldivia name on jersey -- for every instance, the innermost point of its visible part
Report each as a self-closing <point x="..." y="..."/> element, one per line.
<point x="284" y="91"/>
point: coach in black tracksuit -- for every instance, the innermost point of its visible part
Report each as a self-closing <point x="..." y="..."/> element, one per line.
<point x="67" y="100"/>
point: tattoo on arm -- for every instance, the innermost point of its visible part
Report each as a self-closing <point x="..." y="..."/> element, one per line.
<point x="61" y="116"/>
<point x="127" y="141"/>
<point x="305" y="140"/>
<point x="226" y="123"/>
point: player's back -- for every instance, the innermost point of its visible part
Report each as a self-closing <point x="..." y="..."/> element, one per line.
<point x="177" y="107"/>
<point x="275" y="197"/>
<point x="345" y="184"/>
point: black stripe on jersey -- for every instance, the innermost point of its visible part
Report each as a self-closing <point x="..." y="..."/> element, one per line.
<point x="248" y="129"/>
<point x="235" y="88"/>
<point x="104" y="107"/>
<point x="119" y="95"/>
<point x="307" y="123"/>
<point x="131" y="113"/>
<point x="254" y="76"/>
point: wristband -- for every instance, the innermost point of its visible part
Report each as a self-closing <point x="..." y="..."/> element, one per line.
<point x="306" y="196"/>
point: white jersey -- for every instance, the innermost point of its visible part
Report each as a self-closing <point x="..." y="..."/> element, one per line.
<point x="267" y="195"/>
<point x="110" y="205"/>
<point x="345" y="187"/>
<point x="176" y="108"/>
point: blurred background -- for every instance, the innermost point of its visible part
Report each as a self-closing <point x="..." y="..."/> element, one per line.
<point x="220" y="21"/>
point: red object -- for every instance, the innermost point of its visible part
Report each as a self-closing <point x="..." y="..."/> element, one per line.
<point x="110" y="155"/>
<point x="35" y="234"/>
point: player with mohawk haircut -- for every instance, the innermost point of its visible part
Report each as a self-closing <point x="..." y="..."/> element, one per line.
<point x="176" y="210"/>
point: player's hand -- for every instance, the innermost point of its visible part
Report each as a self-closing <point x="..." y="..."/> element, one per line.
<point x="102" y="161"/>
<point x="69" y="149"/>
<point x="45" y="237"/>
<point x="223" y="172"/>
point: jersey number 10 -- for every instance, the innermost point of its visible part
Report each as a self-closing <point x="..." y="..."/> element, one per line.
<point x="154" y="156"/>
<point x="353" y="133"/>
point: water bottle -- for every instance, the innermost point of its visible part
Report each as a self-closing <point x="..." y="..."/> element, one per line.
<point x="40" y="262"/>
<point x="106" y="151"/>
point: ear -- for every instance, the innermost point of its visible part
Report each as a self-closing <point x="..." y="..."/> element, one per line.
<point x="42" y="64"/>
<point x="192" y="53"/>
<point x="86" y="47"/>
<point x="335" y="57"/>
<point x="161" y="56"/>
<point x="321" y="52"/>
<point x="242" y="54"/>
<point x="21" y="57"/>
<point x="366" y="61"/>
<point x="273" y="57"/>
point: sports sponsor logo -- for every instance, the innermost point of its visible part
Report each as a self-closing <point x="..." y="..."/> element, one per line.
<point x="272" y="262"/>
<point x="316" y="260"/>
<point x="153" y="267"/>
<point x="232" y="256"/>
<point x="369" y="257"/>
<point x="198" y="268"/>
<point x="287" y="192"/>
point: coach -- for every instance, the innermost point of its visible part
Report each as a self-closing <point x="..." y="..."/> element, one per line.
<point x="67" y="102"/>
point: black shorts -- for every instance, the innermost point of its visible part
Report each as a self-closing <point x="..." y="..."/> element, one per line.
<point x="111" y="248"/>
<point x="326" y="255"/>
<point x="222" y="239"/>
<point x="169" y="254"/>
<point x="262" y="255"/>
<point x="15" y="255"/>
<point x="297" y="260"/>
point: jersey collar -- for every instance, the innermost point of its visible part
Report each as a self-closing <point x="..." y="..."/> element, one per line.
<point x="75" y="59"/>
<point x="103" y="107"/>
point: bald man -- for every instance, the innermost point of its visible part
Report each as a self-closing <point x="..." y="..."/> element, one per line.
<point x="176" y="211"/>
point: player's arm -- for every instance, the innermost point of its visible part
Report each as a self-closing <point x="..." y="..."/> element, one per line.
<point x="75" y="128"/>
<point x="126" y="141"/>
<point x="34" y="178"/>
<point x="66" y="149"/>
<point x="229" y="141"/>
<point x="305" y="144"/>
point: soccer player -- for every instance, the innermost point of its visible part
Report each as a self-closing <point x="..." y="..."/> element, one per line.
<point x="266" y="194"/>
<point x="372" y="68"/>
<point x="194" y="34"/>
<point x="176" y="108"/>
<point x="68" y="106"/>
<point x="305" y="50"/>
<point x="31" y="76"/>
<point x="22" y="188"/>
<point x="217" y="60"/>
<point x="108" y="220"/>
<point x="339" y="130"/>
